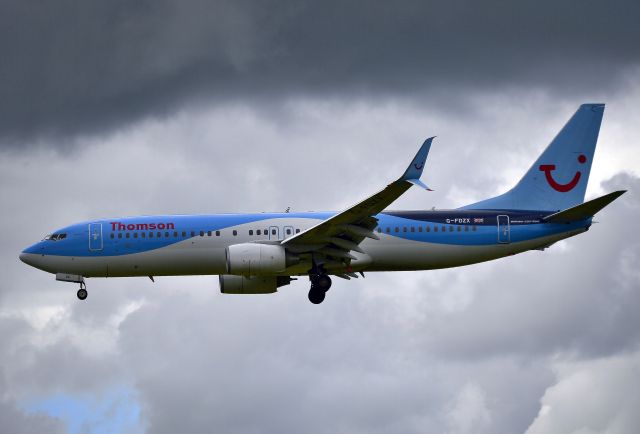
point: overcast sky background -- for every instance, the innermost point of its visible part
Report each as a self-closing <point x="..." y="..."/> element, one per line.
<point x="123" y="108"/>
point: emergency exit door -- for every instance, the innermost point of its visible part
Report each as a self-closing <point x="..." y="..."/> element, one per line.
<point x="504" y="233"/>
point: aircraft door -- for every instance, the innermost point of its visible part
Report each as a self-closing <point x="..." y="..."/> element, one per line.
<point x="274" y="233"/>
<point x="504" y="232"/>
<point x="95" y="236"/>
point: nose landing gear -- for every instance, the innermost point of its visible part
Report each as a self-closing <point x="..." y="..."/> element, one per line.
<point x="75" y="278"/>
<point x="82" y="292"/>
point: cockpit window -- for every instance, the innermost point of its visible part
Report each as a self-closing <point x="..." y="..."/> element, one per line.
<point x="55" y="237"/>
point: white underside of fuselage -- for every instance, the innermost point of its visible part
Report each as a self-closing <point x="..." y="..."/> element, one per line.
<point x="206" y="256"/>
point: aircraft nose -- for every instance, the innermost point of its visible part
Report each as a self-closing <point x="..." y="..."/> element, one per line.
<point x="24" y="257"/>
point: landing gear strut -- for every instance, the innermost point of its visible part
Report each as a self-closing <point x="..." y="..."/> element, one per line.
<point x="82" y="292"/>
<point x="320" y="284"/>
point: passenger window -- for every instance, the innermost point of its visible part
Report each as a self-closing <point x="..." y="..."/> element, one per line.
<point x="217" y="233"/>
<point x="474" y="228"/>
<point x="288" y="231"/>
<point x="250" y="231"/>
<point x="450" y="228"/>
<point x="459" y="228"/>
<point x="150" y="234"/>
<point x="202" y="233"/>
<point x="135" y="235"/>
<point x="143" y="234"/>
<point x="379" y="230"/>
<point x="120" y="235"/>
<point x="235" y="233"/>
<point x="193" y="234"/>
<point x="159" y="234"/>
<point x="297" y="231"/>
<point x="419" y="228"/>
<point x="112" y="236"/>
<point x="273" y="232"/>
<point x="388" y="230"/>
<point x="444" y="228"/>
<point x="404" y="229"/>
<point x="397" y="229"/>
<point x="413" y="229"/>
<point x="184" y="234"/>
<point x="428" y="228"/>
<point x="435" y="229"/>
<point x="175" y="234"/>
<point x="466" y="228"/>
<point x="166" y="234"/>
<point x="208" y="233"/>
<point x="258" y="232"/>
<point x="127" y="235"/>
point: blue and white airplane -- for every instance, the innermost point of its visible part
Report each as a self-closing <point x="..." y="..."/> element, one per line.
<point x="258" y="253"/>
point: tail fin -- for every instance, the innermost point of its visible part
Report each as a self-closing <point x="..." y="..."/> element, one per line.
<point x="558" y="179"/>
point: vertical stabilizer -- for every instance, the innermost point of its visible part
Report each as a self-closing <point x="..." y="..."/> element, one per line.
<point x="558" y="179"/>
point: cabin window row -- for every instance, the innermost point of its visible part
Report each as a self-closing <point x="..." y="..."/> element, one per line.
<point x="274" y="232"/>
<point x="177" y="234"/>
<point x="442" y="228"/>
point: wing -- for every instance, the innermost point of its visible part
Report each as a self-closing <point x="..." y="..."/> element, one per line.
<point x="336" y="238"/>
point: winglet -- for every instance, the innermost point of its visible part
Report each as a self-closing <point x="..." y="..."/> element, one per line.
<point x="414" y="171"/>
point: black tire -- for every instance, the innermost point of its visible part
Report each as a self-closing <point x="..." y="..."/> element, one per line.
<point x="323" y="283"/>
<point x="82" y="294"/>
<point x="316" y="296"/>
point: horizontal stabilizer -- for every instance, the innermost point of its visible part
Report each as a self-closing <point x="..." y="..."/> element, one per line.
<point x="585" y="210"/>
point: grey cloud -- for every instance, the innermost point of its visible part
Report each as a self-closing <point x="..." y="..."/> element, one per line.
<point x="395" y="352"/>
<point x="609" y="388"/>
<point x="17" y="422"/>
<point x="75" y="67"/>
<point x="579" y="299"/>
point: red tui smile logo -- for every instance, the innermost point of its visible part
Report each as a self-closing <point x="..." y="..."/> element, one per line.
<point x="562" y="188"/>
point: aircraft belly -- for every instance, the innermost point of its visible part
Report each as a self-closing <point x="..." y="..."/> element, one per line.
<point x="404" y="255"/>
<point x="168" y="262"/>
<point x="172" y="260"/>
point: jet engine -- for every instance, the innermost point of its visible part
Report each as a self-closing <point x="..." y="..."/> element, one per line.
<point x="255" y="259"/>
<point x="251" y="285"/>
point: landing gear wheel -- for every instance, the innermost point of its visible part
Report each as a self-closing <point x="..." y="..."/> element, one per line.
<point x="82" y="293"/>
<point x="323" y="282"/>
<point x="316" y="296"/>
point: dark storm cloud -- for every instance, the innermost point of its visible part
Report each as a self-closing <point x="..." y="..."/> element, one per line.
<point x="69" y="67"/>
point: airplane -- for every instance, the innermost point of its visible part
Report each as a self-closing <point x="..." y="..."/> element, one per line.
<point x="259" y="253"/>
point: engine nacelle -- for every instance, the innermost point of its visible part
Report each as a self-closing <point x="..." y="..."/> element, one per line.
<point x="251" y="285"/>
<point x="251" y="259"/>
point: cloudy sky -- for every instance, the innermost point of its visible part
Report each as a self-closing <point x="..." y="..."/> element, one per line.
<point x="112" y="108"/>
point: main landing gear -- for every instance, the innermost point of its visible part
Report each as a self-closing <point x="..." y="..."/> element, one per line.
<point x="320" y="284"/>
<point x="82" y="292"/>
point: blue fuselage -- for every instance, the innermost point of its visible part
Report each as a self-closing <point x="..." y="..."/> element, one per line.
<point x="187" y="245"/>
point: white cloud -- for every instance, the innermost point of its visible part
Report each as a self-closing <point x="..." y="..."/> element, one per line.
<point x="462" y="350"/>
<point x="600" y="396"/>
